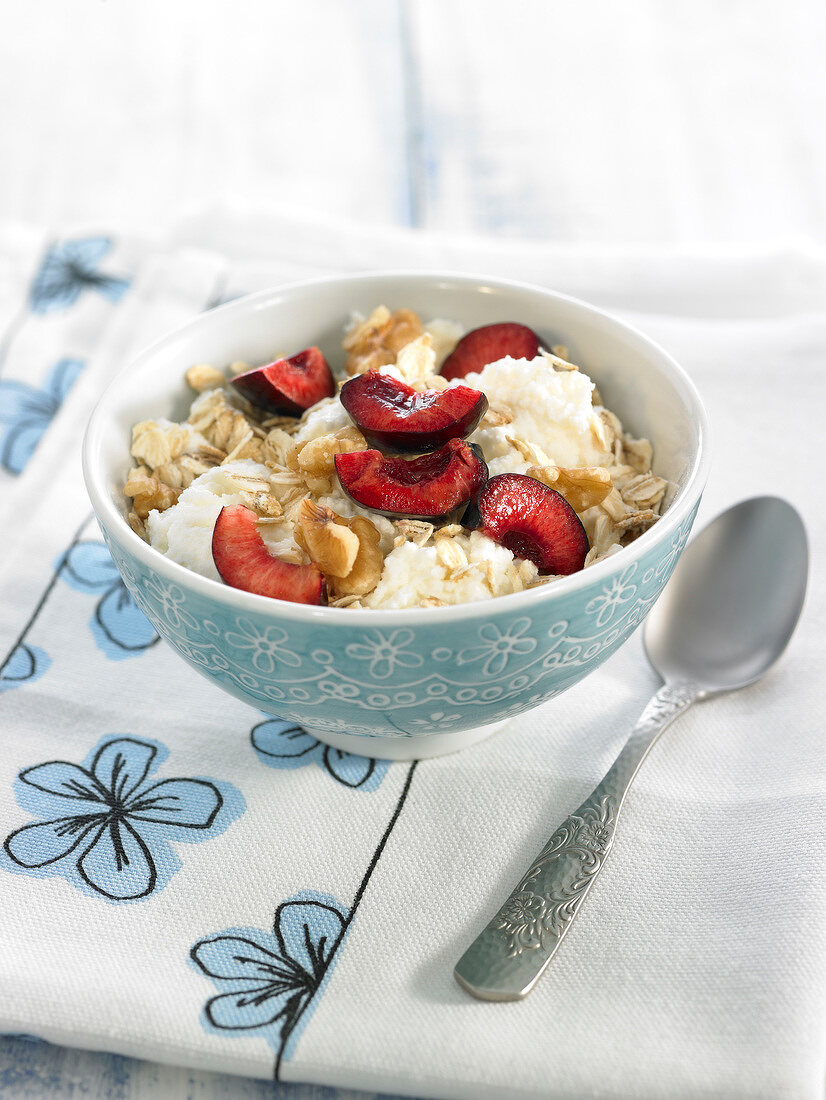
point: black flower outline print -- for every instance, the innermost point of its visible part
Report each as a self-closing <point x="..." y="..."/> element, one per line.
<point x="101" y="821"/>
<point x="68" y="269"/>
<point x="119" y="627"/>
<point x="267" y="979"/>
<point x="25" y="664"/>
<point x="283" y="744"/>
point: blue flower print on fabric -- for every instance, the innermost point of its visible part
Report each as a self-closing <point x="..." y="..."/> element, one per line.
<point x="282" y="744"/>
<point x="267" y="980"/>
<point x="106" y="827"/>
<point x="26" y="664"/>
<point x="69" y="268"/>
<point x="26" y="412"/>
<point x="119" y="627"/>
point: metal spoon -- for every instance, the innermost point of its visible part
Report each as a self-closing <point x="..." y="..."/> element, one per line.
<point x="723" y="619"/>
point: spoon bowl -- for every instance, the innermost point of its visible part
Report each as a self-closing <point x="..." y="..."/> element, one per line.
<point x="734" y="599"/>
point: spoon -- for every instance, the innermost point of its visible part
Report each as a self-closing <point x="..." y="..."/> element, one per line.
<point x="723" y="619"/>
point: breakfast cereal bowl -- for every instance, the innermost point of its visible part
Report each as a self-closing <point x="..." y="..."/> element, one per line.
<point x="412" y="682"/>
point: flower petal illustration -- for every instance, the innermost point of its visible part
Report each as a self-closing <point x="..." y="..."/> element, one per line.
<point x="46" y="842"/>
<point x="122" y="764"/>
<point x="62" y="377"/>
<point x="88" y="566"/>
<point x="26" y="664"/>
<point x="282" y="740"/>
<point x="308" y="932"/>
<point x="122" y="624"/>
<point x="118" y="863"/>
<point x="19" y="401"/>
<point x="253" y="1008"/>
<point x="20" y="442"/>
<point x="66" y="779"/>
<point x="192" y="803"/>
<point x="241" y="959"/>
<point x="349" y="769"/>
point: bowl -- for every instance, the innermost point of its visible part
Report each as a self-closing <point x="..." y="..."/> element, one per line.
<point x="415" y="683"/>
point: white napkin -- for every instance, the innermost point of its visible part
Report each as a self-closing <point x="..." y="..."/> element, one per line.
<point x="697" y="966"/>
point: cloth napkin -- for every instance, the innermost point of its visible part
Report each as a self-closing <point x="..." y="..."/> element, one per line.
<point x="302" y="915"/>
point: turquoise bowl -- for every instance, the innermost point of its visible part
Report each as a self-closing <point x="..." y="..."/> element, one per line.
<point x="421" y="682"/>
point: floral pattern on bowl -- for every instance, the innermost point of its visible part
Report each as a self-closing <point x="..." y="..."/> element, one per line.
<point x="404" y="681"/>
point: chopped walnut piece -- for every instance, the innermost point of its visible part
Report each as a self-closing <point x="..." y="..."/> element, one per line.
<point x="416" y="361"/>
<point x="369" y="563"/>
<point x="315" y="459"/>
<point x="157" y="445"/>
<point x="137" y="525"/>
<point x="204" y="377"/>
<point x="330" y="544"/>
<point x="415" y="530"/>
<point x="582" y="486"/>
<point x="148" y="494"/>
<point x="377" y="341"/>
<point x="406" y="328"/>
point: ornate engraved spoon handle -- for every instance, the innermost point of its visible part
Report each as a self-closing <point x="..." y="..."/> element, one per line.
<point x="506" y="960"/>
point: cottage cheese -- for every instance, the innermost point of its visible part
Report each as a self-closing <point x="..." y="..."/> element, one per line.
<point x="552" y="410"/>
<point x="413" y="574"/>
<point x="184" y="532"/>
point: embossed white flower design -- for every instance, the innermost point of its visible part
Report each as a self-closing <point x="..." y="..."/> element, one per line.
<point x="437" y="718"/>
<point x="594" y="836"/>
<point x="267" y="645"/>
<point x="613" y="595"/>
<point x="169" y="600"/>
<point x="498" y="646"/>
<point x="385" y="653"/>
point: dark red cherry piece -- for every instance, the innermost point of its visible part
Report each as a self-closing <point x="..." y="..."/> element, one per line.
<point x="392" y="415"/>
<point x="242" y="559"/>
<point x="532" y="521"/>
<point x="431" y="487"/>
<point x="487" y="344"/>
<point x="288" y="385"/>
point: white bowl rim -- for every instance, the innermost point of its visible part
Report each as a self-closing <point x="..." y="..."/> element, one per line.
<point x="238" y="600"/>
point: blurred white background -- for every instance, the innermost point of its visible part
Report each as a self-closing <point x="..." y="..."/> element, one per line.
<point x="600" y="122"/>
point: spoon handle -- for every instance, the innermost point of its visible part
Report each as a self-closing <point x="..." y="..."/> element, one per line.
<point x="506" y="960"/>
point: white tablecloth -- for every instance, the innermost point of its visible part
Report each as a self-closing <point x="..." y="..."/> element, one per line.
<point x="697" y="966"/>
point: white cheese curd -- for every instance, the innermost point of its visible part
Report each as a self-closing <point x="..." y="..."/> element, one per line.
<point x="414" y="573"/>
<point x="326" y="417"/>
<point x="184" y="531"/>
<point x="552" y="410"/>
